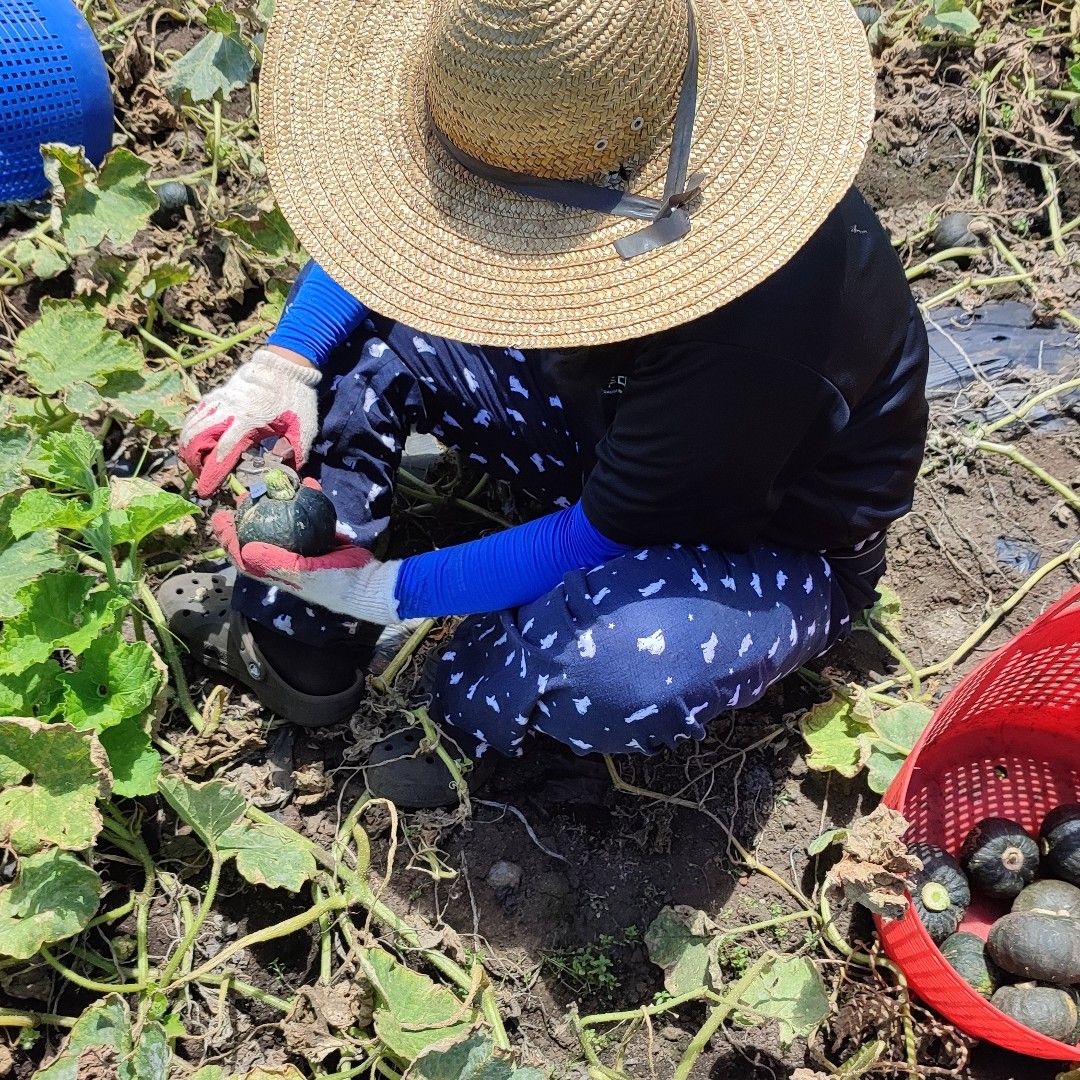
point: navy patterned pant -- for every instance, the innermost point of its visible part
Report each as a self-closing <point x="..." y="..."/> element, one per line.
<point x="631" y="656"/>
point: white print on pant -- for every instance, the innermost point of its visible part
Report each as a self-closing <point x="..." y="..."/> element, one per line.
<point x="627" y="657"/>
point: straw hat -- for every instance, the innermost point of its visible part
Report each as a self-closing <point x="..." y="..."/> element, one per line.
<point x="395" y="132"/>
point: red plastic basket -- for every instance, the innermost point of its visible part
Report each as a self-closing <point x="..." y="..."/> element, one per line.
<point x="1004" y="743"/>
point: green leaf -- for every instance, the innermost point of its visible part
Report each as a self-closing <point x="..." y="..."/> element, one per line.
<point x="115" y="680"/>
<point x="162" y="276"/>
<point x="40" y="509"/>
<point x="51" y="777"/>
<point x="156" y="400"/>
<point x="150" y="1055"/>
<point x="952" y="16"/>
<point x="22" y="563"/>
<point x="886" y="611"/>
<point x="62" y="612"/>
<point x="14" y="443"/>
<point x="225" y="22"/>
<point x="791" y="991"/>
<point x="215" y="1072"/>
<point x="904" y="724"/>
<point x="103" y="1043"/>
<point x="473" y="1059"/>
<point x="53" y="897"/>
<point x="33" y="692"/>
<point x="826" y="840"/>
<point x="71" y="344"/>
<point x="832" y="731"/>
<point x="215" y="66"/>
<point x="66" y="459"/>
<point x="91" y="205"/>
<point x="271" y="855"/>
<point x="145" y="513"/>
<point x="42" y="260"/>
<point x="678" y="941"/>
<point x="268" y="234"/>
<point x="882" y="763"/>
<point x="208" y="808"/>
<point x="412" y="1012"/>
<point x="133" y="761"/>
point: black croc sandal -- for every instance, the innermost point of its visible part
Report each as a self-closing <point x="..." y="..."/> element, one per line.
<point x="398" y="771"/>
<point x="197" y="610"/>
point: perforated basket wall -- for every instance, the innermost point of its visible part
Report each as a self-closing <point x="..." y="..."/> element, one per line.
<point x="54" y="87"/>
<point x="1004" y="743"/>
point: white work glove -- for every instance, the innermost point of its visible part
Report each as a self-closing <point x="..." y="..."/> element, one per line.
<point x="267" y="397"/>
<point x="348" y="580"/>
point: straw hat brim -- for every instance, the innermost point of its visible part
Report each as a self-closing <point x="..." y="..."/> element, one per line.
<point x="785" y="108"/>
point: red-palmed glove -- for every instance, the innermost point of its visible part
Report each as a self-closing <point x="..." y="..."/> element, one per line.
<point x="348" y="580"/>
<point x="266" y="397"/>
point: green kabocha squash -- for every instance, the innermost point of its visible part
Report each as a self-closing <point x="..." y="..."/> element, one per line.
<point x="1050" y="897"/>
<point x="939" y="891"/>
<point x="966" y="954"/>
<point x="300" y="519"/>
<point x="1045" y="1009"/>
<point x="1074" y="993"/>
<point x="999" y="857"/>
<point x="1037" y="946"/>
<point x="1060" y="839"/>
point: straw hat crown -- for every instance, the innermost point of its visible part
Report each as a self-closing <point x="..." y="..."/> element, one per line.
<point x="374" y="112"/>
<point x="571" y="89"/>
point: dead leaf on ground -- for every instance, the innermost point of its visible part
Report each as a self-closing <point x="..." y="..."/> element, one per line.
<point x="875" y="865"/>
<point x="98" y="1063"/>
<point x="312" y="784"/>
<point x="257" y="784"/>
<point x="230" y="739"/>
<point x="319" y="1011"/>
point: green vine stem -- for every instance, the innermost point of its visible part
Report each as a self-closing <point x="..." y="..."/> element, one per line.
<point x="336" y="902"/>
<point x="836" y="940"/>
<point x="89" y="984"/>
<point x="976" y="637"/>
<point x="596" y="1019"/>
<point x="111" y="916"/>
<point x="431" y="733"/>
<point x="237" y="339"/>
<point x="1053" y="208"/>
<point x="918" y="271"/>
<point x="749" y="860"/>
<point x="245" y="989"/>
<point x="719" y="1014"/>
<point x="970" y="283"/>
<point x="172" y="657"/>
<point x="360" y="892"/>
<point x="897" y="654"/>
<point x="1036" y="470"/>
<point x="325" y="943"/>
<point x="120" y="831"/>
<point x="384" y="681"/>
<point x="192" y="932"/>
<point x="20" y="1018"/>
<point x="1020" y="412"/>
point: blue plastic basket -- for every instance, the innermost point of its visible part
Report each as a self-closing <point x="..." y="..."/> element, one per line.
<point x="54" y="87"/>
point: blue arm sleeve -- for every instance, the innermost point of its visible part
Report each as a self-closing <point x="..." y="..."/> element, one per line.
<point x="505" y="570"/>
<point x="319" y="315"/>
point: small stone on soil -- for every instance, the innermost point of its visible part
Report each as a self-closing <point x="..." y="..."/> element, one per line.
<point x="504" y="876"/>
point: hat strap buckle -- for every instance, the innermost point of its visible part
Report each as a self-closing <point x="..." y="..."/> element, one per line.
<point x="669" y="218"/>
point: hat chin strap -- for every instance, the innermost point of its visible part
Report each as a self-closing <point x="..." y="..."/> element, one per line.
<point x="668" y="218"/>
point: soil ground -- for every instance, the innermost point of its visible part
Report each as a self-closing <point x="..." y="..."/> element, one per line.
<point x="596" y="865"/>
